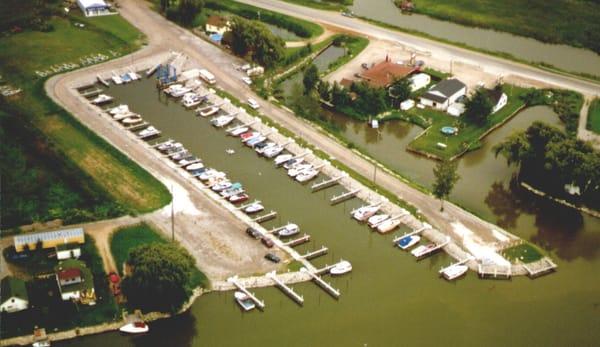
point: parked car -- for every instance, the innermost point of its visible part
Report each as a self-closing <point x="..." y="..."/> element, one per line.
<point x="267" y="242"/>
<point x="272" y="257"/>
<point x="253" y="232"/>
<point x="252" y="103"/>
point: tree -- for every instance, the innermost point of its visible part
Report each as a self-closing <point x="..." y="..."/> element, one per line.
<point x="478" y="107"/>
<point x="164" y="5"/>
<point x="324" y="90"/>
<point x="311" y="78"/>
<point x="445" y="179"/>
<point x="254" y="39"/>
<point x="400" y="89"/>
<point x="188" y="10"/>
<point x="161" y="277"/>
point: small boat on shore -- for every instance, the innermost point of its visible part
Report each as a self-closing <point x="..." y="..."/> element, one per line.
<point x="208" y="111"/>
<point x="377" y="219"/>
<point x="245" y="302"/>
<point x="307" y="175"/>
<point x="453" y="272"/>
<point x="101" y="99"/>
<point x="282" y="159"/>
<point x="408" y="241"/>
<point x="222" y="121"/>
<point x="194" y="166"/>
<point x="288" y="230"/>
<point x="43" y="343"/>
<point x="135" y="328"/>
<point x="363" y="213"/>
<point x="237" y="198"/>
<point x="388" y="225"/>
<point x="341" y="268"/>
<point x="253" y="208"/>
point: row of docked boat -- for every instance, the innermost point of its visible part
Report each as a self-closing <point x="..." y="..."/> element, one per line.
<point x="382" y="222"/>
<point x="133" y="121"/>
<point x="126" y="77"/>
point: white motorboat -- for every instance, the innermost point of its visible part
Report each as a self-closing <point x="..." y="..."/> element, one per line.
<point x="134" y="328"/>
<point x="249" y="135"/>
<point x="238" y="131"/>
<point x="294" y="171"/>
<point x="293" y="163"/>
<point x="181" y="154"/>
<point x="261" y="149"/>
<point x="188" y="160"/>
<point x="165" y="145"/>
<point x="211" y="173"/>
<point x="245" y="302"/>
<point x="149" y="131"/>
<point x="375" y="220"/>
<point x="282" y="159"/>
<point x="192" y="101"/>
<point x="272" y="151"/>
<point x="341" y="268"/>
<point x="230" y="151"/>
<point x="121" y="116"/>
<point x="131" y="120"/>
<point x="172" y="87"/>
<point x="133" y="76"/>
<point x="254" y="208"/>
<point x="117" y="80"/>
<point x="307" y="175"/>
<point x="221" y="186"/>
<point x="255" y="141"/>
<point x="408" y="241"/>
<point x="453" y="272"/>
<point x="423" y="250"/>
<point x="194" y="166"/>
<point x="208" y="111"/>
<point x="179" y="91"/>
<point x="222" y="121"/>
<point x="288" y="230"/>
<point x="101" y="99"/>
<point x="388" y="225"/>
<point x="119" y="109"/>
<point x="363" y="213"/>
<point x="43" y="343"/>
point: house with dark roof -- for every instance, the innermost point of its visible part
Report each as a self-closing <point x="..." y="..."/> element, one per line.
<point x="75" y="281"/>
<point x="13" y="295"/>
<point x="443" y="94"/>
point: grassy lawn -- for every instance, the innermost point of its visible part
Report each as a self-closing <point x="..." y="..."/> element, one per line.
<point x="468" y="134"/>
<point x="593" y="122"/>
<point x="525" y="253"/>
<point x="47" y="308"/>
<point x="354" y="45"/>
<point x="127" y="185"/>
<point x="548" y="21"/>
<point x="125" y="239"/>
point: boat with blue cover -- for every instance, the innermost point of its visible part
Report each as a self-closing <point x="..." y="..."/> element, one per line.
<point x="408" y="241"/>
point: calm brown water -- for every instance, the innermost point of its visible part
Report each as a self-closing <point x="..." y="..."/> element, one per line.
<point x="561" y="56"/>
<point x="389" y="299"/>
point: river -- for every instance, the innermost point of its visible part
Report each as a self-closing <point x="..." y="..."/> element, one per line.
<point x="389" y="299"/>
<point x="564" y="57"/>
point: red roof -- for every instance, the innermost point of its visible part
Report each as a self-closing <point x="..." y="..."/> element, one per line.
<point x="384" y="73"/>
<point x="68" y="274"/>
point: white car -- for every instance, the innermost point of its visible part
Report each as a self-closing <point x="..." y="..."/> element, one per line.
<point x="247" y="80"/>
<point x="252" y="103"/>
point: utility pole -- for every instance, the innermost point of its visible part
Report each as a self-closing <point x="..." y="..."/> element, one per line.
<point x="172" y="214"/>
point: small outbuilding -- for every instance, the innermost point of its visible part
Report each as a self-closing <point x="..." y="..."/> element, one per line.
<point x="75" y="281"/>
<point x="68" y="251"/>
<point x="217" y="24"/>
<point x="443" y="94"/>
<point x="93" y="7"/>
<point x="498" y="98"/>
<point x="419" y="81"/>
<point x="14" y="295"/>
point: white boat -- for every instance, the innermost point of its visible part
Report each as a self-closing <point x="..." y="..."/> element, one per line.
<point x="375" y="220"/>
<point x="261" y="149"/>
<point x="221" y="186"/>
<point x="134" y="328"/>
<point x="165" y="145"/>
<point x="101" y="99"/>
<point x="341" y="268"/>
<point x="119" y="109"/>
<point x="132" y="120"/>
<point x="294" y="171"/>
<point x="388" y="225"/>
<point x="293" y="163"/>
<point x="180" y="155"/>
<point x="255" y="141"/>
<point x="238" y="131"/>
<point x="272" y="151"/>
<point x="133" y="76"/>
<point x="208" y="174"/>
<point x="178" y="92"/>
<point x="254" y="208"/>
<point x="117" y="80"/>
<point x="423" y="250"/>
<point x="453" y="272"/>
<point x="44" y="343"/>
<point x="209" y="111"/>
<point x="191" y="101"/>
<point x="408" y="241"/>
<point x="222" y="121"/>
<point x="149" y="131"/>
<point x="282" y="159"/>
<point x="249" y="135"/>
<point x="363" y="213"/>
<point x="172" y="87"/>
<point x="289" y="230"/>
<point x="307" y="175"/>
<point x="245" y="302"/>
<point x="188" y="160"/>
<point x="121" y="116"/>
<point x="230" y="151"/>
<point x="194" y="166"/>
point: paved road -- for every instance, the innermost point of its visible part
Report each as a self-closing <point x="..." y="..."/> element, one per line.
<point x="490" y="64"/>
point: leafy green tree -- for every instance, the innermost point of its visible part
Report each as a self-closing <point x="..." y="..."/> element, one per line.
<point x="188" y="10"/>
<point x="400" y="89"/>
<point x="311" y="78"/>
<point x="478" y="107"/>
<point x="324" y="90"/>
<point x="445" y="179"/>
<point x="254" y="39"/>
<point x="161" y="277"/>
<point x="339" y="95"/>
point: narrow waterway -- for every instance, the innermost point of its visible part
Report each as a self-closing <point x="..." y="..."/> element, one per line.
<point x="389" y="299"/>
<point x="562" y="56"/>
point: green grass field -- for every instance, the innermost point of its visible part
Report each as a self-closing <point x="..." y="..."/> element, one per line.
<point x="468" y="135"/>
<point x="593" y="121"/>
<point x="525" y="253"/>
<point x="126" y="183"/>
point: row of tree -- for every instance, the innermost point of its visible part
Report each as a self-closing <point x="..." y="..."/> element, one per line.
<point x="182" y="11"/>
<point x="549" y="159"/>
<point x="254" y="39"/>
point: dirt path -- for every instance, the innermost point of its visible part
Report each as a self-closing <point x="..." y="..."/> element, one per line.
<point x="324" y="36"/>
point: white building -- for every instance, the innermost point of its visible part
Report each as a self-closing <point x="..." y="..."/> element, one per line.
<point x="419" y="81"/>
<point x="93" y="7"/>
<point x="14" y="295"/>
<point x="456" y="109"/>
<point x="498" y="98"/>
<point x="217" y="24"/>
<point x="443" y="94"/>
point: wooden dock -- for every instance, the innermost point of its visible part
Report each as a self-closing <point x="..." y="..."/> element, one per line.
<point x="229" y="130"/>
<point x="163" y="143"/>
<point x="265" y="217"/>
<point x="344" y="196"/>
<point x="103" y="81"/>
<point x="494" y="271"/>
<point x="328" y="288"/>
<point x="298" y="241"/>
<point x="317" y="253"/>
<point x="540" y="267"/>
<point x="326" y="183"/>
<point x="414" y="232"/>
<point x="324" y="269"/>
<point x="136" y="127"/>
<point x="286" y="289"/>
<point x="92" y="92"/>
<point x="234" y="280"/>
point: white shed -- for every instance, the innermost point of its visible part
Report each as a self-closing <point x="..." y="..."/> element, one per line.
<point x="14" y="295"/>
<point x="419" y="81"/>
<point x="456" y="109"/>
<point x="93" y="7"/>
<point x="407" y="104"/>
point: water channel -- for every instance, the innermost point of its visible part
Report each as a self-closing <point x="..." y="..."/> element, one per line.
<point x="389" y="299"/>
<point x="561" y="56"/>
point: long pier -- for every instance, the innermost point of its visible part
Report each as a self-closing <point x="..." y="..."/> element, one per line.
<point x="286" y="289"/>
<point x="495" y="271"/>
<point x="265" y="217"/>
<point x="243" y="206"/>
<point x="234" y="280"/>
<point x="135" y="127"/>
<point x="326" y="183"/>
<point x="328" y="288"/>
<point x="298" y="241"/>
<point x="92" y="92"/>
<point x="317" y="253"/>
<point x="344" y="196"/>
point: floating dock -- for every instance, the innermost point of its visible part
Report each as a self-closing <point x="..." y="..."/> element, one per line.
<point x="328" y="288"/>
<point x="92" y="92"/>
<point x="326" y="183"/>
<point x="317" y="253"/>
<point x="344" y="196"/>
<point x="234" y="280"/>
<point x="265" y="217"/>
<point x="286" y="289"/>
<point x="298" y="241"/>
